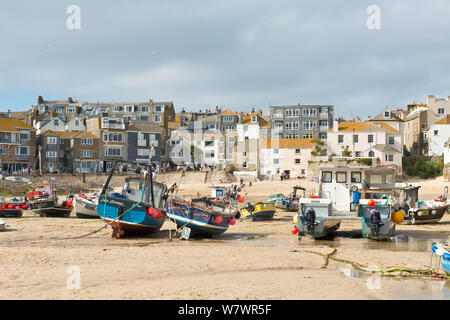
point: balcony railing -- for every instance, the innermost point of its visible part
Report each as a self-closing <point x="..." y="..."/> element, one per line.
<point x="323" y="128"/>
<point x="119" y="126"/>
<point x="323" y="115"/>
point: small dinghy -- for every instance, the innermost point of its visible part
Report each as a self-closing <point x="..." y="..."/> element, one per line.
<point x="259" y="211"/>
<point x="442" y="250"/>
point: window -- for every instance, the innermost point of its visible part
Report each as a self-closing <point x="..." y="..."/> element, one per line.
<point x="341" y="177"/>
<point x="70" y="110"/>
<point x="21" y="151"/>
<point x="209" y="154"/>
<point x="2" y="150"/>
<point x="307" y="135"/>
<point x="297" y="151"/>
<point x="116" y="108"/>
<point x="112" y="137"/>
<point x="51" y="154"/>
<point x="327" y="176"/>
<point x="175" y="142"/>
<point x="144" y="108"/>
<point x="309" y="125"/>
<point x="156" y="118"/>
<point x="355" y="138"/>
<point x="341" y="138"/>
<point x="56" y="122"/>
<point x="157" y="108"/>
<point x="357" y="154"/>
<point x="77" y="123"/>
<point x="211" y="126"/>
<point x="113" y="152"/>
<point x="86" y="153"/>
<point x="244" y="154"/>
<point x="297" y="161"/>
<point x="245" y="128"/>
<point x="254" y="119"/>
<point x="143" y="152"/>
<point x="276" y="161"/>
<point x="391" y="140"/>
<point x="303" y="171"/>
<point x="356" y="177"/>
<point x="230" y="139"/>
<point x="275" y="151"/>
<point x="244" y="164"/>
<point x="441" y="111"/>
<point x="52" y="140"/>
<point x="309" y="112"/>
<point x="371" y="154"/>
<point x="389" y="157"/>
<point x="25" y="135"/>
<point x="370" y="138"/>
<point x="387" y="114"/>
<point x="436" y="132"/>
<point x="129" y="108"/>
<point x="87" y="142"/>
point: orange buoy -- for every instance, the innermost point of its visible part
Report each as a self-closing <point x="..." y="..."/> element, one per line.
<point x="398" y="216"/>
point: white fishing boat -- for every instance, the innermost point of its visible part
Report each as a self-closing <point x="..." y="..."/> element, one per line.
<point x="85" y="207"/>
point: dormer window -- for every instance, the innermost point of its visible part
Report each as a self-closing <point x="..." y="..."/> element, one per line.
<point x="254" y="119"/>
<point x="387" y="114"/>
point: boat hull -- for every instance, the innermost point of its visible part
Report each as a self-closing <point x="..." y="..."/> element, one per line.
<point x="85" y="209"/>
<point x="10" y="213"/>
<point x="444" y="256"/>
<point x="125" y="219"/>
<point x="55" y="212"/>
<point x="200" y="221"/>
<point x="386" y="231"/>
<point x="322" y="227"/>
<point x="424" y="216"/>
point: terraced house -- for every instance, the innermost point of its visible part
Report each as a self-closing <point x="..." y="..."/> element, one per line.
<point x="301" y="121"/>
<point x="356" y="140"/>
<point x="17" y="145"/>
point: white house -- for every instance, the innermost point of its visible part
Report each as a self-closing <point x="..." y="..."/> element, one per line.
<point x="438" y="135"/>
<point x="366" y="140"/>
<point x="438" y="105"/>
<point x="54" y="123"/>
<point x="75" y="124"/>
<point x="289" y="156"/>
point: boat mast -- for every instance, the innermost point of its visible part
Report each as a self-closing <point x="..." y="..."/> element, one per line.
<point x="150" y="176"/>
<point x="107" y="180"/>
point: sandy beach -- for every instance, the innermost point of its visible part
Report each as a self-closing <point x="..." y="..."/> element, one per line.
<point x="252" y="260"/>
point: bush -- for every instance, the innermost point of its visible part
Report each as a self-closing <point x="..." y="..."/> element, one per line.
<point x="365" y="161"/>
<point x="424" y="168"/>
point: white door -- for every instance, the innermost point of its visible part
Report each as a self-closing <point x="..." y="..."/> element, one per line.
<point x="342" y="201"/>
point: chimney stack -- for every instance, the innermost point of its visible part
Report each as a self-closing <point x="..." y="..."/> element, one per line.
<point x="335" y="125"/>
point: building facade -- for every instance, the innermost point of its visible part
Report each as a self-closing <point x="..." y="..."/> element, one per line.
<point x="301" y="121"/>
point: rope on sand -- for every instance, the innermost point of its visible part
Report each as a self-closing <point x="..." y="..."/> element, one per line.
<point x="387" y="272"/>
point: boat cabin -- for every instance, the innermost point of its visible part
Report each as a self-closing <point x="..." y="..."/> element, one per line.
<point x="345" y="184"/>
<point x="219" y="191"/>
<point x="139" y="190"/>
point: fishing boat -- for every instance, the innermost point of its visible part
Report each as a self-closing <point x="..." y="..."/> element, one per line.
<point x="315" y="218"/>
<point x="348" y="193"/>
<point x="138" y="208"/>
<point x="442" y="250"/>
<point x="259" y="211"/>
<point x="291" y="203"/>
<point x="86" y="207"/>
<point x="44" y="201"/>
<point x="421" y="212"/>
<point x="206" y="216"/>
<point x="277" y="200"/>
<point x="13" y="208"/>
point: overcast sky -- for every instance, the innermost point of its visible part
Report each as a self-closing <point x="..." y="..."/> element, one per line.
<point x="233" y="53"/>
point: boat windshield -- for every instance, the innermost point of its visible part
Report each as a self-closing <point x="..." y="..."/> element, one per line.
<point x="367" y="212"/>
<point x="137" y="190"/>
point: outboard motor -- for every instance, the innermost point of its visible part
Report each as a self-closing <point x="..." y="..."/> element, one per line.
<point x="310" y="218"/>
<point x="375" y="219"/>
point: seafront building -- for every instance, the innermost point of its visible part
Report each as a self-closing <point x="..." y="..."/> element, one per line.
<point x="299" y="121"/>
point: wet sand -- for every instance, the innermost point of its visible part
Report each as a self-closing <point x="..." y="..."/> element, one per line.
<point x="252" y="260"/>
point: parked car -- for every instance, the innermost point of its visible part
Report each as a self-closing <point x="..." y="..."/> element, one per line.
<point x="18" y="179"/>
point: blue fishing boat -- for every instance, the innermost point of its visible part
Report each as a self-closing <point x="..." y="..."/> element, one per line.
<point x="206" y="215"/>
<point x="441" y="249"/>
<point x="138" y="209"/>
